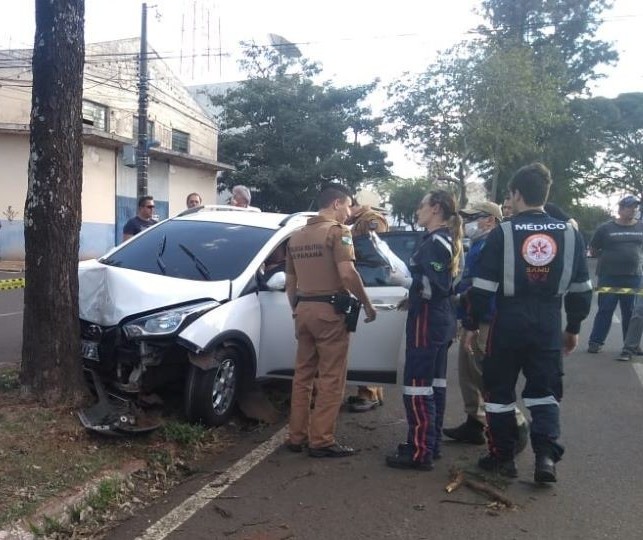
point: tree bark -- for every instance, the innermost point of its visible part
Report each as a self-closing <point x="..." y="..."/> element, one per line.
<point x="51" y="368"/>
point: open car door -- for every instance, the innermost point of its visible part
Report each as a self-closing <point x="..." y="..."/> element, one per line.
<point x="376" y="347"/>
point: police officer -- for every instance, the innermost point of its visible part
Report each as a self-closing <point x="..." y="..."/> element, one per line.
<point x="365" y="219"/>
<point x="430" y="329"/>
<point x="529" y="263"/>
<point x="319" y="270"/>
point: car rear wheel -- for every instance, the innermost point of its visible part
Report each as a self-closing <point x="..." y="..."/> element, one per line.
<point x="211" y="395"/>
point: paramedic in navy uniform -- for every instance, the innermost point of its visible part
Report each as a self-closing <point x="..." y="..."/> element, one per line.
<point x="531" y="263"/>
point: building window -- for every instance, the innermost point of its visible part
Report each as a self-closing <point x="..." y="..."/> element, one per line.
<point x="180" y="141"/>
<point x="150" y="129"/>
<point x="95" y="115"/>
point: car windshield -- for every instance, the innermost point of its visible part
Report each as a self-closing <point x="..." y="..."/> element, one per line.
<point x="197" y="250"/>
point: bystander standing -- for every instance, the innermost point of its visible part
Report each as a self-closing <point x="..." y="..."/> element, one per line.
<point x="143" y="218"/>
<point x="618" y="244"/>
<point x="193" y="200"/>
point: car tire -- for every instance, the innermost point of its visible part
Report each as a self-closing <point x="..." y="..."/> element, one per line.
<point x="211" y="395"/>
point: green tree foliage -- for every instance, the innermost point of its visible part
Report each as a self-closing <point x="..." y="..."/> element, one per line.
<point x="405" y="196"/>
<point x="562" y="37"/>
<point x="589" y="218"/>
<point x="287" y="135"/>
<point x="516" y="105"/>
<point x="619" y="138"/>
<point x="560" y="29"/>
<point x="498" y="102"/>
<point x="428" y="113"/>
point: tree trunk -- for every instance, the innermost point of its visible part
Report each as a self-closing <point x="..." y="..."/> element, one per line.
<point x="494" y="182"/>
<point x="51" y="369"/>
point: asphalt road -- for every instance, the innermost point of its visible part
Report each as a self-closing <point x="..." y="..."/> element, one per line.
<point x="11" y="305"/>
<point x="599" y="493"/>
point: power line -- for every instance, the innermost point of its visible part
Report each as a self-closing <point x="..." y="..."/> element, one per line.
<point x="172" y="55"/>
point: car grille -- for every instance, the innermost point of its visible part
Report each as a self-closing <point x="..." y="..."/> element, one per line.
<point x="107" y="338"/>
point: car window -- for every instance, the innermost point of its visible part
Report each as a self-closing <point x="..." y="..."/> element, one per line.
<point x="197" y="250"/>
<point x="274" y="263"/>
<point x="403" y="243"/>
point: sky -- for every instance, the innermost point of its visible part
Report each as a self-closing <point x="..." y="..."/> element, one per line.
<point x="356" y="41"/>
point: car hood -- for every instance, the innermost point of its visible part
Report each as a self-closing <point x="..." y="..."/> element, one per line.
<point x="107" y="294"/>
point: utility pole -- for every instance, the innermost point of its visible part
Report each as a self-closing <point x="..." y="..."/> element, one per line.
<point x="142" y="149"/>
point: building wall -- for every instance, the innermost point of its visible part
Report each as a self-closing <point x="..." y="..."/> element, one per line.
<point x="109" y="188"/>
<point x="111" y="78"/>
<point x="98" y="195"/>
<point x="184" y="181"/>
<point x="14" y="155"/>
<point x="15" y="103"/>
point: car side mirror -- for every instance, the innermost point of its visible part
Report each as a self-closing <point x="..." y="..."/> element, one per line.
<point x="277" y="282"/>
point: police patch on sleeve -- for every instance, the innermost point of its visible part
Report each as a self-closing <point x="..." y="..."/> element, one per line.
<point x="539" y="249"/>
<point x="437" y="266"/>
<point x="347" y="240"/>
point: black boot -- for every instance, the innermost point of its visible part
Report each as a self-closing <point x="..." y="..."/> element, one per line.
<point x="471" y="432"/>
<point x="403" y="459"/>
<point x="504" y="467"/>
<point x="545" y="471"/>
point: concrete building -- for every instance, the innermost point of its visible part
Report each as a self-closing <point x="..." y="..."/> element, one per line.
<point x="185" y="159"/>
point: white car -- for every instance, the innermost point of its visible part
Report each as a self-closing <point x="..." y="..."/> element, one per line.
<point x="186" y="304"/>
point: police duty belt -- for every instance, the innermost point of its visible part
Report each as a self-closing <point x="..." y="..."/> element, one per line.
<point x="619" y="290"/>
<point x="7" y="284"/>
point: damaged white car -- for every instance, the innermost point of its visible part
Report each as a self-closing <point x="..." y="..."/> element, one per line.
<point x="196" y="304"/>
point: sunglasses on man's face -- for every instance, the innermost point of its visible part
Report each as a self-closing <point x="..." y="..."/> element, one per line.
<point x="474" y="217"/>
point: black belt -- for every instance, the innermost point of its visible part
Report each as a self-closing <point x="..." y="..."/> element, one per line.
<point x="329" y="298"/>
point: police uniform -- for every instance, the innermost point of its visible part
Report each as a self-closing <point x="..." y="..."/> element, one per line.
<point x="430" y="329"/>
<point x="367" y="220"/>
<point x="529" y="263"/>
<point x="322" y="338"/>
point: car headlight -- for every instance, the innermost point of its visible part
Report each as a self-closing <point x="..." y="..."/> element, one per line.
<point x="165" y="323"/>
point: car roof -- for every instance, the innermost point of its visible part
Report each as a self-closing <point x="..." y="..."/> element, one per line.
<point x="236" y="216"/>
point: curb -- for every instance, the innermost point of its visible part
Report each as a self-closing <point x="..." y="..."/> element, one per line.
<point x="12" y="266"/>
<point x="57" y="509"/>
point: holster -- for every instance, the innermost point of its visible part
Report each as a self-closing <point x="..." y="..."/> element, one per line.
<point x="349" y="306"/>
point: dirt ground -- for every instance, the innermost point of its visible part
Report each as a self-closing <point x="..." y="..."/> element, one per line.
<point x="45" y="454"/>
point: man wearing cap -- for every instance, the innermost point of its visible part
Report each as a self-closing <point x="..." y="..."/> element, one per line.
<point x="479" y="220"/>
<point x="365" y="219"/>
<point x="618" y="244"/>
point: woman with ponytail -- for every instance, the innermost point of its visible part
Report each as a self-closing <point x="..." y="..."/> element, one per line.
<point x="430" y="329"/>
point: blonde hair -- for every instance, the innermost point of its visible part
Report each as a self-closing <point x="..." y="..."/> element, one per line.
<point x="449" y="207"/>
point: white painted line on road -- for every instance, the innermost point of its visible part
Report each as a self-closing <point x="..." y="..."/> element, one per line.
<point x="10" y="314"/>
<point x="190" y="506"/>
<point x="639" y="371"/>
<point x="616" y="319"/>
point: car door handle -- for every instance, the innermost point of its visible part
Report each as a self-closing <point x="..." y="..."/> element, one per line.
<point x="385" y="307"/>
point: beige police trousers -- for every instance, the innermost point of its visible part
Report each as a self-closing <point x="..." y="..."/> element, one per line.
<point x="470" y="377"/>
<point x="322" y="349"/>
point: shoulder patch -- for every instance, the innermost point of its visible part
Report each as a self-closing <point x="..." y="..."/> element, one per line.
<point x="347" y="240"/>
<point x="437" y="266"/>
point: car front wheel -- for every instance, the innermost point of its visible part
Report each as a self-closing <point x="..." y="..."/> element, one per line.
<point x="211" y="394"/>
